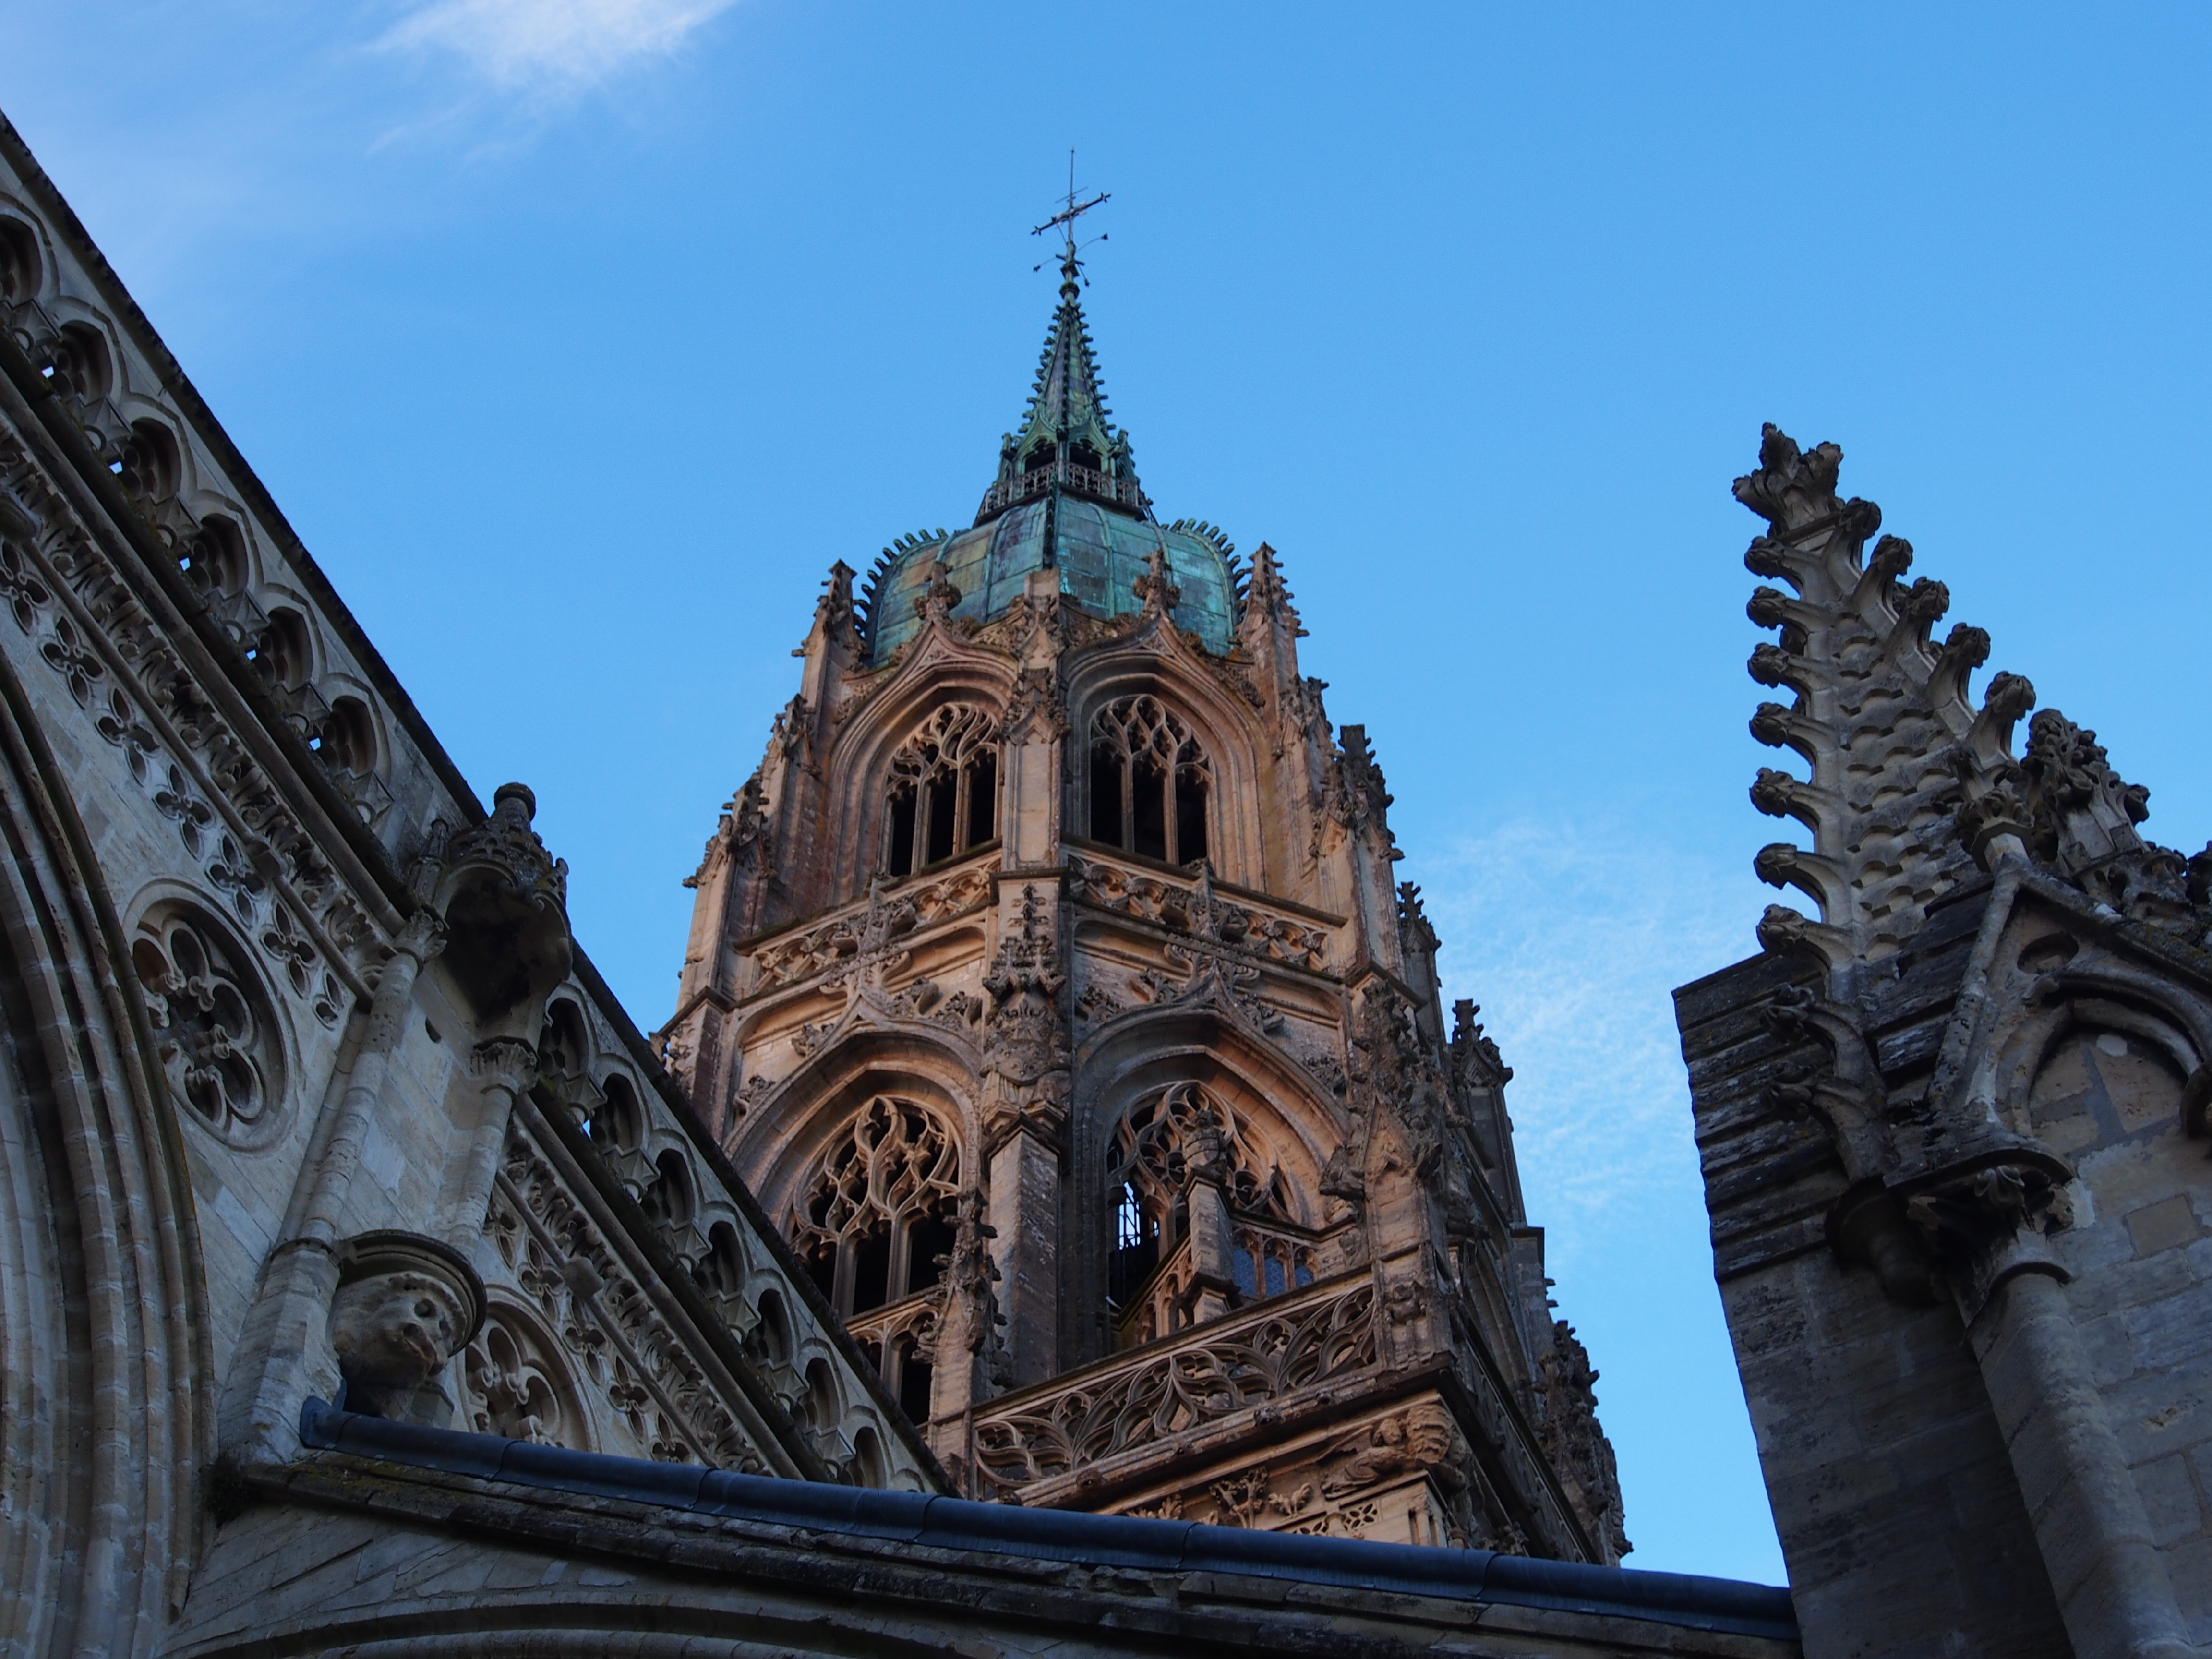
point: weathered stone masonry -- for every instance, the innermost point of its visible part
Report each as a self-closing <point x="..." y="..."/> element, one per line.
<point x="1953" y="1136"/>
<point x="366" y="1279"/>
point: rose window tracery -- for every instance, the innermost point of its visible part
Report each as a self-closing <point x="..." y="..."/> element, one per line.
<point x="205" y="1023"/>
<point x="1151" y="783"/>
<point x="944" y="790"/>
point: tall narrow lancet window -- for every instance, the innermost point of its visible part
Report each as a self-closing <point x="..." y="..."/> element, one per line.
<point x="1151" y="783"/>
<point x="943" y="794"/>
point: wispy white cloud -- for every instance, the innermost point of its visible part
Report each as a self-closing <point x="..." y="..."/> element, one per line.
<point x="1572" y="941"/>
<point x="549" y="47"/>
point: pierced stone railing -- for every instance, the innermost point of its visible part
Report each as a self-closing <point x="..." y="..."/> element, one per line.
<point x="1197" y="906"/>
<point x="871" y="924"/>
<point x="1155" y="1393"/>
<point x="1266" y="1261"/>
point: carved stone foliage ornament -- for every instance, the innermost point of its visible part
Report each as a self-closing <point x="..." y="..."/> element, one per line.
<point x="91" y="631"/>
<point x="1884" y="795"/>
<point x="209" y="1026"/>
<point x="870" y="937"/>
<point x="608" y="1324"/>
<point x="1572" y="1441"/>
<point x="1025" y="1048"/>
<point x="1196" y="909"/>
<point x="1037" y="705"/>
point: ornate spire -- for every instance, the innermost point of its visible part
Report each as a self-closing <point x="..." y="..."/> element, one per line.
<point x="1067" y="440"/>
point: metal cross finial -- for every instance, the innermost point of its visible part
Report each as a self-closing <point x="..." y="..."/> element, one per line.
<point x="1070" y="267"/>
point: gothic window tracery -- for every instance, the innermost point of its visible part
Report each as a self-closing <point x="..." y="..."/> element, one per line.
<point x="944" y="792"/>
<point x="518" y="1390"/>
<point x="208" y="1023"/>
<point x="1171" y="1141"/>
<point x="877" y="1212"/>
<point x="1151" y="783"/>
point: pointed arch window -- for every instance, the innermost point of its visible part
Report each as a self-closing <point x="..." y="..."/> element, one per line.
<point x="1181" y="1163"/>
<point x="878" y="1210"/>
<point x="1151" y="784"/>
<point x="943" y="794"/>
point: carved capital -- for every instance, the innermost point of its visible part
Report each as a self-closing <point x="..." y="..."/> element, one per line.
<point x="504" y="1063"/>
<point x="422" y="936"/>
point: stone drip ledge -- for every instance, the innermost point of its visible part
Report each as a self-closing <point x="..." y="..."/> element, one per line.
<point x="1718" y="1605"/>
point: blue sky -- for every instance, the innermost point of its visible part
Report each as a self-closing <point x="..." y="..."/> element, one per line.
<point x="579" y="336"/>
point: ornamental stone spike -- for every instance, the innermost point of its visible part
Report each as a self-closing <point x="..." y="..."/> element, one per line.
<point x="1882" y="714"/>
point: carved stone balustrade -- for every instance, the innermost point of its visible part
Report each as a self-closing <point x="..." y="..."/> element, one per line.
<point x="1123" y="1417"/>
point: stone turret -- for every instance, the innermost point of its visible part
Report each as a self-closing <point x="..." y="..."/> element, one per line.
<point x="1051" y="984"/>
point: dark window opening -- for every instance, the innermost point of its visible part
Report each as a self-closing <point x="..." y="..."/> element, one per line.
<point x="822" y="1268"/>
<point x="982" y="798"/>
<point x="1149" y="783"/>
<point x="871" y="1272"/>
<point x="1038" y="459"/>
<point x="944" y="819"/>
<point x="1149" y="818"/>
<point x="930" y="1237"/>
<point x="943" y="790"/>
<point x="914" y="1386"/>
<point x="1136" y="1245"/>
<point x="1083" y="455"/>
<point x="1106" y="795"/>
<point x="1190" y="816"/>
<point x="901" y="861"/>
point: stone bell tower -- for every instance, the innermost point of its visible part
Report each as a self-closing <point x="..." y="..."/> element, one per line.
<point x="1050" y="985"/>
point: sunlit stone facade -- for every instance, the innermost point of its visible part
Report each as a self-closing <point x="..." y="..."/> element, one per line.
<point x="1051" y="984"/>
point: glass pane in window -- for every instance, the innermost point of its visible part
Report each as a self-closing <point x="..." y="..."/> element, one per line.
<point x="1190" y="816"/>
<point x="899" y="854"/>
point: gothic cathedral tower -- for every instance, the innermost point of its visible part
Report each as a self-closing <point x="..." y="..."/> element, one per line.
<point x="1049" y="985"/>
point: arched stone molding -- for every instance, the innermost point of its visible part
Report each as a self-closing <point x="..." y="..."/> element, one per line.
<point x="784" y="1139"/>
<point x="1228" y="731"/>
<point x="860" y="754"/>
<point x="105" y="1424"/>
<point x="2103" y="998"/>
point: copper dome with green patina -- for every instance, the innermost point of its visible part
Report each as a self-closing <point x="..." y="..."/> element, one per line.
<point x="1067" y="497"/>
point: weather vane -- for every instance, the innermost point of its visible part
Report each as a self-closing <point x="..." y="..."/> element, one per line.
<point x="1066" y="218"/>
